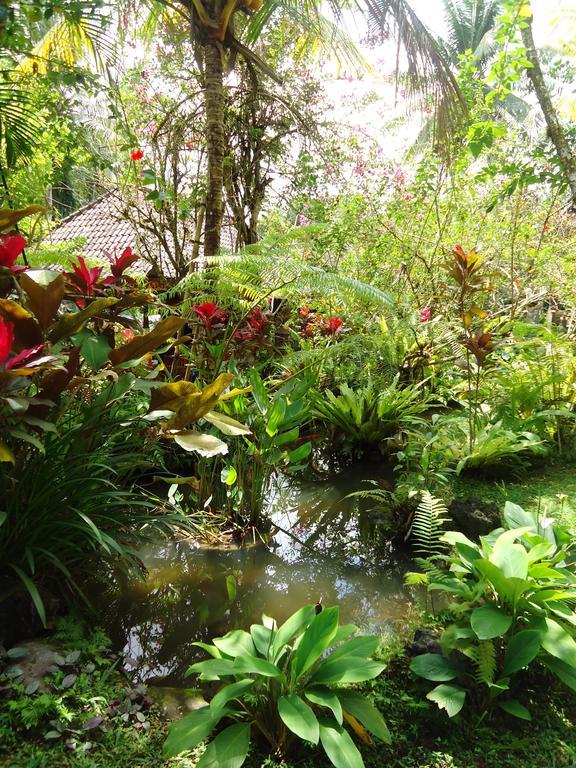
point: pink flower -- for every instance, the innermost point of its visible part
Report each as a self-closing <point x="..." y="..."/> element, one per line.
<point x="408" y="196"/>
<point x="425" y="315"/>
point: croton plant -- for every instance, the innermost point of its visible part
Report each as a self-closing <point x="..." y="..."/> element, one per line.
<point x="61" y="330"/>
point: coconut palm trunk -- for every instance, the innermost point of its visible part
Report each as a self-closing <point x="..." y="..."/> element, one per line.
<point x="214" y="106"/>
<point x="555" y="130"/>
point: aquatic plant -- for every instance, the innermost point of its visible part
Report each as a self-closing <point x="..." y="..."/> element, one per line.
<point x="282" y="683"/>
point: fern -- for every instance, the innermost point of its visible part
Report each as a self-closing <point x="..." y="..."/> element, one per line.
<point x="270" y="269"/>
<point x="484" y="656"/>
<point x="427" y="526"/>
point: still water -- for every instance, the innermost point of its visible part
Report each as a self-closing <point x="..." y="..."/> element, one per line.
<point x="327" y="548"/>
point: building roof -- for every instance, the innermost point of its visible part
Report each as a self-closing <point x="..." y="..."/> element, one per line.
<point x="100" y="224"/>
<point x="107" y="232"/>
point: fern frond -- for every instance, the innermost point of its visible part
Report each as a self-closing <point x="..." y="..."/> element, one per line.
<point x="427" y="526"/>
<point x="485" y="659"/>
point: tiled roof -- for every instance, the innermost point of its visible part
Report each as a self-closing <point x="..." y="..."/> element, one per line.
<point x="106" y="231"/>
<point x="100" y="224"/>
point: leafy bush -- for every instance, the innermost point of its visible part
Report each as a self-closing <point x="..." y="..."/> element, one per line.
<point x="369" y="415"/>
<point x="278" y="682"/>
<point x="513" y="596"/>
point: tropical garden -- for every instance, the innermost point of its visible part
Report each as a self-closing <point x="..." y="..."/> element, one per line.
<point x="287" y="459"/>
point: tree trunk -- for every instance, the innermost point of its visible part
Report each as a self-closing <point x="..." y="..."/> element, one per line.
<point x="555" y="129"/>
<point x="214" y="106"/>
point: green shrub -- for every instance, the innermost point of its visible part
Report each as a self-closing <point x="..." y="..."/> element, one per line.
<point x="279" y="682"/>
<point x="512" y="603"/>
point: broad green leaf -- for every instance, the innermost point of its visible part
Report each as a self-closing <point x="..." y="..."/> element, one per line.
<point x="343" y="633"/>
<point x="291" y="628"/>
<point x="229" y="749"/>
<point x="348" y="669"/>
<point x="448" y="697"/>
<point x="190" y="730"/>
<point x="516" y="517"/>
<point x="200" y="442"/>
<point x="94" y="349"/>
<point x="315" y="640"/>
<point x="541" y="551"/>
<point x="148" y="342"/>
<point x="213" y="667"/>
<point x="366" y="713"/>
<point x="276" y="416"/>
<point x="259" y="391"/>
<point x="509" y="590"/>
<point x="521" y="650"/>
<point x="563" y="671"/>
<point x="339" y="747"/>
<point x="511" y="558"/>
<point x="9" y="217"/>
<point x="363" y="646"/>
<point x="253" y="665"/>
<point x="298" y="717"/>
<point x="225" y="424"/>
<point x="235" y="643"/>
<point x="455" y="537"/>
<point x="261" y="637"/>
<point x="211" y="649"/>
<point x="558" y="642"/>
<point x="516" y="709"/>
<point x="433" y="666"/>
<point x="229" y="692"/>
<point x="489" y="621"/>
<point x="300" y="453"/>
<point x="325" y="697"/>
<point x="72" y="322"/>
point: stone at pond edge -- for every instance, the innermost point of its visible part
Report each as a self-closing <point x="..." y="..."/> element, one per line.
<point x="425" y="641"/>
<point x="473" y="517"/>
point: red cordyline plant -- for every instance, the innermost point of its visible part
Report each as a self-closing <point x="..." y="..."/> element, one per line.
<point x="254" y="332"/>
<point x="118" y="264"/>
<point x="331" y="326"/>
<point x="11" y="246"/>
<point x="6" y="342"/>
<point x="211" y="315"/>
<point x="86" y="279"/>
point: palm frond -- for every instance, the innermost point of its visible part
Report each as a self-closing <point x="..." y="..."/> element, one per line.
<point x="428" y="71"/>
<point x="20" y="125"/>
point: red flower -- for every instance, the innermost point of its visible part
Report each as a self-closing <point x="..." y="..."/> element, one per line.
<point x="122" y="262"/>
<point x="304" y="311"/>
<point x="11" y="246"/>
<point x="6" y="339"/>
<point x="425" y="315"/>
<point x="85" y="278"/>
<point x="332" y="325"/>
<point x="210" y="314"/>
<point x="136" y="155"/>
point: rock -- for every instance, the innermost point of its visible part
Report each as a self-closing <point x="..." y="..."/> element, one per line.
<point x="473" y="517"/>
<point x="37" y="660"/>
<point x="175" y="702"/>
<point x="425" y="641"/>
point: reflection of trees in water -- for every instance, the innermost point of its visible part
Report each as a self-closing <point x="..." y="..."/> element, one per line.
<point x="186" y="600"/>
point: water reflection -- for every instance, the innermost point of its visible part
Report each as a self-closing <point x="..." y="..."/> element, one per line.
<point x="328" y="548"/>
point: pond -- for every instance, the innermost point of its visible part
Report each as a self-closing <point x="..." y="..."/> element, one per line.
<point x="327" y="547"/>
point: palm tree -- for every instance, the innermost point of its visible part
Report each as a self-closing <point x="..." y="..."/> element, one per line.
<point x="225" y="29"/>
<point x="471" y="25"/>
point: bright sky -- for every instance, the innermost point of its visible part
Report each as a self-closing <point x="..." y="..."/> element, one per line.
<point x="545" y="13"/>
